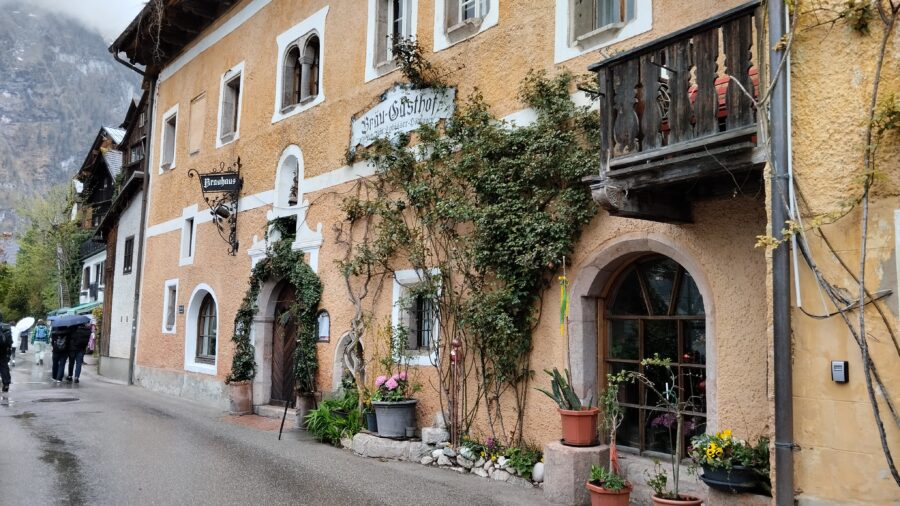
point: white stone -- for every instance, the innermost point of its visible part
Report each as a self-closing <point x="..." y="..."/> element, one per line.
<point x="426" y="461"/>
<point x="500" y="475"/>
<point x="346" y="443"/>
<point x="440" y="422"/>
<point x="501" y="462"/>
<point x="479" y="462"/>
<point x="460" y="469"/>
<point x="436" y="454"/>
<point x="480" y="472"/>
<point x="380" y="448"/>
<point x="449" y="452"/>
<point x="537" y="472"/>
<point x="488" y="465"/>
<point x="443" y="461"/>
<point x="467" y="452"/>
<point x="434" y="436"/>
<point x="443" y="445"/>
<point x="464" y="462"/>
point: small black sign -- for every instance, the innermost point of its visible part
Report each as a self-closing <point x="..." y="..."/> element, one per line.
<point x="221" y="182"/>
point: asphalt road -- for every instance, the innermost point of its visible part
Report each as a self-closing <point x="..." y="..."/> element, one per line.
<point x="98" y="443"/>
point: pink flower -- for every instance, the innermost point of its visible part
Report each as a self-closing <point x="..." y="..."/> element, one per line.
<point x="403" y="376"/>
<point x="391" y="384"/>
<point x="380" y="381"/>
<point x="395" y="377"/>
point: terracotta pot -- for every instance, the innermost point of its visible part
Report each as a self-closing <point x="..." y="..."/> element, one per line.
<point x="240" y="395"/>
<point x="602" y="497"/>
<point x="579" y="428"/>
<point x="685" y="500"/>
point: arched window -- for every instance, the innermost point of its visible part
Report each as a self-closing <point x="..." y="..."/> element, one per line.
<point x="290" y="88"/>
<point x="309" y="69"/>
<point x="656" y="308"/>
<point x="287" y="184"/>
<point x="323" y="326"/>
<point x="206" y="331"/>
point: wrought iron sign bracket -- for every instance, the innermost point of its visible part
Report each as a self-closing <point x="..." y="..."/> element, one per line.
<point x="222" y="191"/>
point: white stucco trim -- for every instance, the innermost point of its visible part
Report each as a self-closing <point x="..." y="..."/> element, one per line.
<point x="188" y="245"/>
<point x="168" y="284"/>
<point x="232" y="24"/>
<point x="162" y="138"/>
<point x="565" y="50"/>
<point x="402" y="280"/>
<point x="314" y="23"/>
<point x="283" y="182"/>
<point x="372" y="72"/>
<point x="190" y="331"/>
<point x="442" y="40"/>
<point x="226" y="78"/>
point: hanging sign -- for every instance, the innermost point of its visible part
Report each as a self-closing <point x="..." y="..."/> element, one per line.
<point x="402" y="109"/>
<point x="224" y="182"/>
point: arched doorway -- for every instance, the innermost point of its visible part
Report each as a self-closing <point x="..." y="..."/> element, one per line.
<point x="284" y="342"/>
<point x="653" y="307"/>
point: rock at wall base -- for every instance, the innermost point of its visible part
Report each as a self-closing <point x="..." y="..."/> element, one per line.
<point x="567" y="469"/>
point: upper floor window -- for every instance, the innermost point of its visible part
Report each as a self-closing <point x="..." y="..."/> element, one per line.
<point x="585" y="25"/>
<point x="169" y="134"/>
<point x="456" y="20"/>
<point x="230" y="105"/>
<point x="128" y="258"/>
<point x="196" y="123"/>
<point x="298" y="80"/>
<point x="393" y="25"/>
<point x="301" y="72"/>
<point x="136" y="151"/>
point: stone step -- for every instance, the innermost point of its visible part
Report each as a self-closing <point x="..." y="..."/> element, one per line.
<point x="269" y="411"/>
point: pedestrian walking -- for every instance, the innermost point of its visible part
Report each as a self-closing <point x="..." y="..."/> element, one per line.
<point x="6" y="349"/>
<point x="40" y="338"/>
<point x="23" y="341"/>
<point x="78" y="343"/>
<point x="59" y="342"/>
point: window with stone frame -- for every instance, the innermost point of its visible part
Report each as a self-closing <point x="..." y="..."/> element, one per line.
<point x="655" y="307"/>
<point x="392" y="24"/>
<point x="128" y="257"/>
<point x="463" y="17"/>
<point x="229" y="122"/>
<point x="591" y="18"/>
<point x="421" y="318"/>
<point x="170" y="301"/>
<point x="170" y="124"/>
<point x="300" y="73"/>
<point x="206" y="331"/>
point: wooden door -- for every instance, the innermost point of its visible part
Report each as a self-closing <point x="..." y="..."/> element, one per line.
<point x="284" y="337"/>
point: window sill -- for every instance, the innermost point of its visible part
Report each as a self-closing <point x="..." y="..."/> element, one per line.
<point x="303" y="105"/>
<point x="227" y="139"/>
<point x="168" y="330"/>
<point x="201" y="368"/>
<point x="186" y="261"/>
<point x="598" y="36"/>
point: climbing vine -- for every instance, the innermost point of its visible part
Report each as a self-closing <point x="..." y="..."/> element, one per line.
<point x="281" y="262"/>
<point x="485" y="212"/>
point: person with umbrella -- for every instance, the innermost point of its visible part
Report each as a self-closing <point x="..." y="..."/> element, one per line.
<point x="6" y="348"/>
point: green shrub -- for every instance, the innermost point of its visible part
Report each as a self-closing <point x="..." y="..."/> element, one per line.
<point x="335" y="418"/>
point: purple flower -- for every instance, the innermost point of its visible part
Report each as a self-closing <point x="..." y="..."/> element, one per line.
<point x="490" y="443"/>
<point x="380" y="381"/>
<point x="391" y="384"/>
<point x="403" y="376"/>
<point x="665" y="420"/>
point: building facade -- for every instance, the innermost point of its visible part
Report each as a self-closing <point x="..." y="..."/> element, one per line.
<point x="271" y="88"/>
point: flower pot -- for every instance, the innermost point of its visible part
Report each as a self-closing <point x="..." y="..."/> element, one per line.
<point x="240" y="397"/>
<point x="684" y="500"/>
<point x="603" y="497"/>
<point x="305" y="404"/>
<point x="394" y="417"/>
<point x="738" y="479"/>
<point x="371" y="421"/>
<point x="579" y="428"/>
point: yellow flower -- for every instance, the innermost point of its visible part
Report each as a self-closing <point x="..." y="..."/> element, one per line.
<point x="493" y="458"/>
<point x="726" y="434"/>
<point x="719" y="453"/>
<point x="482" y="454"/>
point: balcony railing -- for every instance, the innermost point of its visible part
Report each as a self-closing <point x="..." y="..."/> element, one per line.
<point x="669" y="104"/>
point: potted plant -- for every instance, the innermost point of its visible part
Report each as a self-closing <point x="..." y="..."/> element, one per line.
<point x="306" y="364"/>
<point x="240" y="381"/>
<point x="607" y="487"/>
<point x="674" y="407"/>
<point x="732" y="465"/>
<point x="579" y="421"/>
<point x="395" y="409"/>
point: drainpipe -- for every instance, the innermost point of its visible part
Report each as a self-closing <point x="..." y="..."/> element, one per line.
<point x="119" y="59"/>
<point x="145" y="163"/>
<point x="781" y="288"/>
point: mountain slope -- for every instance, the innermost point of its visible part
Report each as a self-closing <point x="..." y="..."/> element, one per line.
<point x="58" y="85"/>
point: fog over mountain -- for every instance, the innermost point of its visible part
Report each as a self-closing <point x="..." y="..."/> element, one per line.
<point x="58" y="85"/>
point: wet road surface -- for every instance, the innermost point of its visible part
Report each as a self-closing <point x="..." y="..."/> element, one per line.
<point x="98" y="443"/>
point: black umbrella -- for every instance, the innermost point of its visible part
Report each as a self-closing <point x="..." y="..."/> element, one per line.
<point x="57" y="322"/>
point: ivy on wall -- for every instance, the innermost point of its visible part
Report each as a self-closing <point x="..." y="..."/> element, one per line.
<point x="493" y="209"/>
<point x="281" y="262"/>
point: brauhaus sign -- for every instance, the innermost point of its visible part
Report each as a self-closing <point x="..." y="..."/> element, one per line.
<point x="401" y="110"/>
<point x="226" y="182"/>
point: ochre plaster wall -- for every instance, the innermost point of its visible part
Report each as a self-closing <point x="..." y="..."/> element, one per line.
<point x="840" y="459"/>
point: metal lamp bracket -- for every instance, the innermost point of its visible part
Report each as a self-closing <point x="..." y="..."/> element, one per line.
<point x="222" y="190"/>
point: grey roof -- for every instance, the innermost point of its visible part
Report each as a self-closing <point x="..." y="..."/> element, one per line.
<point x="113" y="161"/>
<point x="116" y="134"/>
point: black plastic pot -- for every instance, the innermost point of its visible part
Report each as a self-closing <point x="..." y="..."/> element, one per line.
<point x="737" y="480"/>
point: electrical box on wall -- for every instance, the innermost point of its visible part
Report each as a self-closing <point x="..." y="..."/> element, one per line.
<point x="839" y="371"/>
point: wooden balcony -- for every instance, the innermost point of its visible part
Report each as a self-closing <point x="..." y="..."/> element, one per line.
<point x="678" y="118"/>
